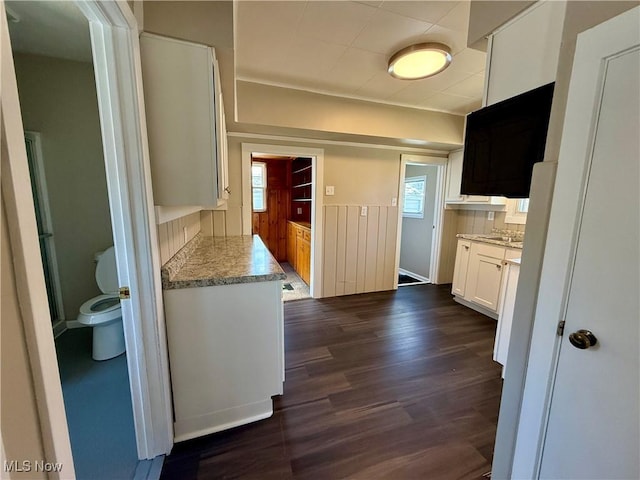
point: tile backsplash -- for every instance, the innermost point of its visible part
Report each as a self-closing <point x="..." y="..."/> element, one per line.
<point x="475" y="221"/>
<point x="173" y="235"/>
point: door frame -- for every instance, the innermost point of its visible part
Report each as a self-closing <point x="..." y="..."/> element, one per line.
<point x="317" y="217"/>
<point x="606" y="40"/>
<point x="116" y="58"/>
<point x="43" y="195"/>
<point x="436" y="241"/>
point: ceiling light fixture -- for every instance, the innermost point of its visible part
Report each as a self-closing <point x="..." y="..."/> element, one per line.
<point x="419" y="61"/>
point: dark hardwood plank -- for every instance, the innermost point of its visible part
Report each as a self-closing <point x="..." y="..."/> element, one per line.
<point x="383" y="385"/>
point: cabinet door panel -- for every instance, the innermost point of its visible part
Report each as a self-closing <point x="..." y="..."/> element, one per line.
<point x="461" y="268"/>
<point x="484" y="281"/>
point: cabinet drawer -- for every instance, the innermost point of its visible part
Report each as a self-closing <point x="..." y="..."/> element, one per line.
<point x="491" y="251"/>
<point x="512" y="253"/>
<point x="306" y="235"/>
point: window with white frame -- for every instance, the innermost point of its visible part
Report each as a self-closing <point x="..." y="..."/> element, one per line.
<point x="415" y="189"/>
<point x="517" y="211"/>
<point x="259" y="186"/>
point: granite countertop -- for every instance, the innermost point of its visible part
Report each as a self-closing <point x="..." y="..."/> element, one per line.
<point x="209" y="261"/>
<point x="504" y="238"/>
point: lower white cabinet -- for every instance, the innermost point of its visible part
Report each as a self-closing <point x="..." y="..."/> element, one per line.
<point x="478" y="275"/>
<point x="484" y="275"/>
<point x="505" y="319"/>
<point x="226" y="355"/>
<point x="461" y="267"/>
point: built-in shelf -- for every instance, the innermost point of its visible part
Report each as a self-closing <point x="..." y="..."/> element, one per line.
<point x="308" y="167"/>
<point x="302" y="185"/>
<point x="301" y="200"/>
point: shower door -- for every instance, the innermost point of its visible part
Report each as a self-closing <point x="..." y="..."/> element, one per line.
<point x="45" y="230"/>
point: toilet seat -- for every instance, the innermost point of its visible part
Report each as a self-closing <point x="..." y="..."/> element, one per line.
<point x="100" y="310"/>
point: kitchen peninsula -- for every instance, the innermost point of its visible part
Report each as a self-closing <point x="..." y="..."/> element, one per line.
<point x="223" y="308"/>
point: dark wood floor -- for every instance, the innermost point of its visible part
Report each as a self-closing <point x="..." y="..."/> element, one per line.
<point x="393" y="385"/>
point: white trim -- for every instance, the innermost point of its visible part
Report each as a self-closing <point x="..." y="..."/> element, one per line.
<point x="594" y="46"/>
<point x="420" y="278"/>
<point x="316" y="141"/>
<point x="513" y="215"/>
<point x="59" y="328"/>
<point x="436" y="241"/>
<point x="317" y="196"/>
<point x="41" y="180"/>
<point x="116" y="58"/>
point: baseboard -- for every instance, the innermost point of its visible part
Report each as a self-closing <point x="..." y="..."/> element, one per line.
<point x="149" y="469"/>
<point x="59" y="328"/>
<point x="402" y="271"/>
<point x="477" y="308"/>
<point x="74" y="324"/>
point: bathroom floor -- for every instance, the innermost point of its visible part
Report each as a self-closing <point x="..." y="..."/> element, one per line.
<point x="294" y="287"/>
<point x="98" y="405"/>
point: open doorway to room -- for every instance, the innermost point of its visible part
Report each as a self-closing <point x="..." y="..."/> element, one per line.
<point x="421" y="198"/>
<point x="282" y="202"/>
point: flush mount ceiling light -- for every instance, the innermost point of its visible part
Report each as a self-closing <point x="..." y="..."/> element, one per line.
<point x="419" y="61"/>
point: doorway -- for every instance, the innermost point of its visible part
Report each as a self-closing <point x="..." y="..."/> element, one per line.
<point x="282" y="201"/>
<point x="58" y="98"/>
<point x="420" y="219"/>
<point x="297" y="192"/>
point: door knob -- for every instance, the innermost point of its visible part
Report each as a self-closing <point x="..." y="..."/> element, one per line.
<point x="583" y="339"/>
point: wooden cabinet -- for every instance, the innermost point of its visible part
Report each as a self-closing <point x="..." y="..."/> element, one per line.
<point x="185" y="123"/>
<point x="299" y="249"/>
<point x="453" y="197"/>
<point x="461" y="267"/>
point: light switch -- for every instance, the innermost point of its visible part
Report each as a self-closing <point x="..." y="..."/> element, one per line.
<point x="329" y="190"/>
<point x="299" y="211"/>
<point x="363" y="211"/>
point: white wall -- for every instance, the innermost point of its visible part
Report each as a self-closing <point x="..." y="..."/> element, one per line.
<point x="417" y="233"/>
<point x="58" y="100"/>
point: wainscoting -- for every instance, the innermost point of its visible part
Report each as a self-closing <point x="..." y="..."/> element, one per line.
<point x="173" y="235"/>
<point x="222" y="223"/>
<point x="359" y="252"/>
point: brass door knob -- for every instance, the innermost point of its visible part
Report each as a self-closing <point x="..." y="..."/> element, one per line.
<point x="583" y="339"/>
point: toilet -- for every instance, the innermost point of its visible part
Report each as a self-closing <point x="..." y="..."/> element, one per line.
<point x="103" y="312"/>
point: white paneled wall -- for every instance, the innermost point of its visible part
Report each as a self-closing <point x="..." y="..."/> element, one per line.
<point x="173" y="235"/>
<point x="359" y="252"/>
<point x="475" y="221"/>
<point x="222" y="223"/>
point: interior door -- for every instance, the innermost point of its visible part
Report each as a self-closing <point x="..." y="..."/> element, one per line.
<point x="593" y="423"/>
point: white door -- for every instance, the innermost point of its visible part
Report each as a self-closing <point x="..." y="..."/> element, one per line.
<point x="593" y="424"/>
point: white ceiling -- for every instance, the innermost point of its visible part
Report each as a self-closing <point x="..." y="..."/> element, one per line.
<point x="50" y="28"/>
<point x="342" y="48"/>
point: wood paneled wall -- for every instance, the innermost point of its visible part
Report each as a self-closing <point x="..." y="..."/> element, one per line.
<point x="173" y="235"/>
<point x="359" y="252"/>
<point x="271" y="225"/>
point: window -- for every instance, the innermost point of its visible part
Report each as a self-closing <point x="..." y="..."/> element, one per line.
<point x="414" y="193"/>
<point x="517" y="211"/>
<point x="259" y="186"/>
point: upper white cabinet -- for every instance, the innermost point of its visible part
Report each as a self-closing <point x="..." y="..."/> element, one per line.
<point x="453" y="197"/>
<point x="523" y="53"/>
<point x="185" y="122"/>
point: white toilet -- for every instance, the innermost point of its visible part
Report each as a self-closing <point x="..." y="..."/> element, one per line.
<point x="103" y="312"/>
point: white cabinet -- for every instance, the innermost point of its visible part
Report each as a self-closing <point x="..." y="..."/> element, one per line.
<point x="478" y="275"/>
<point x="453" y="197"/>
<point x="226" y="355"/>
<point x="185" y="122"/>
<point x="484" y="276"/>
<point x="505" y="319"/>
<point x="461" y="267"/>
